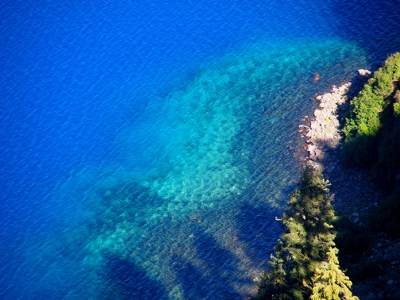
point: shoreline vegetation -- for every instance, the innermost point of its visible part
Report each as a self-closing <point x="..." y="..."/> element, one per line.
<point x="353" y="139"/>
<point x="305" y="264"/>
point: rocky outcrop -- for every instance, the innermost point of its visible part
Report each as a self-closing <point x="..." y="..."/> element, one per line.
<point x="323" y="135"/>
<point x="323" y="143"/>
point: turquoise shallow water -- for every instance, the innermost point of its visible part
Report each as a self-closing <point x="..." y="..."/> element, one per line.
<point x="147" y="147"/>
<point x="212" y="158"/>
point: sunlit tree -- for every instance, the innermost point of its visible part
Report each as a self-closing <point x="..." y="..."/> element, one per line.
<point x="305" y="263"/>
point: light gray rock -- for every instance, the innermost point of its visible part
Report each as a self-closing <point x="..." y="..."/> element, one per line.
<point x="324" y="134"/>
<point x="363" y="72"/>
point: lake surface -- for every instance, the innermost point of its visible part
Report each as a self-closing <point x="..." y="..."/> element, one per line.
<point x="146" y="146"/>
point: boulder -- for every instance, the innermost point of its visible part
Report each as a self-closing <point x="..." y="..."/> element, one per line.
<point x="363" y="72"/>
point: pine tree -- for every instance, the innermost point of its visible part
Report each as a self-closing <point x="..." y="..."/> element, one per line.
<point x="329" y="282"/>
<point x="305" y="264"/>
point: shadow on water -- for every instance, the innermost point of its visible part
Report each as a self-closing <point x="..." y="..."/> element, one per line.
<point x="259" y="230"/>
<point x="213" y="264"/>
<point x="211" y="281"/>
<point x="132" y="283"/>
<point x="373" y="25"/>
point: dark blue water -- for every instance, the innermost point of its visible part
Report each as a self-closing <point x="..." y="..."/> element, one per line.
<point x="145" y="144"/>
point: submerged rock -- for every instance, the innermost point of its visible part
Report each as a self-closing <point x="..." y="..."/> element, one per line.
<point x="315" y="78"/>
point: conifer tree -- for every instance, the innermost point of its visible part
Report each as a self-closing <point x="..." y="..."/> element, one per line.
<point x="329" y="282"/>
<point x="305" y="265"/>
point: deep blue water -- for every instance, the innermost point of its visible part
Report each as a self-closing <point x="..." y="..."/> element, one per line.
<point x="145" y="144"/>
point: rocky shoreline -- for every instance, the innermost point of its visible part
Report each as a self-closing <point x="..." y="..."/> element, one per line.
<point x="323" y="138"/>
<point x="355" y="195"/>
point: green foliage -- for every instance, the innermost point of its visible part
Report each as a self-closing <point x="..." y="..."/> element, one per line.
<point x="382" y="81"/>
<point x="373" y="139"/>
<point x="305" y="264"/>
<point x="365" y="114"/>
<point x="396" y="108"/>
<point x="365" y="120"/>
<point x="396" y="104"/>
<point x="326" y="283"/>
